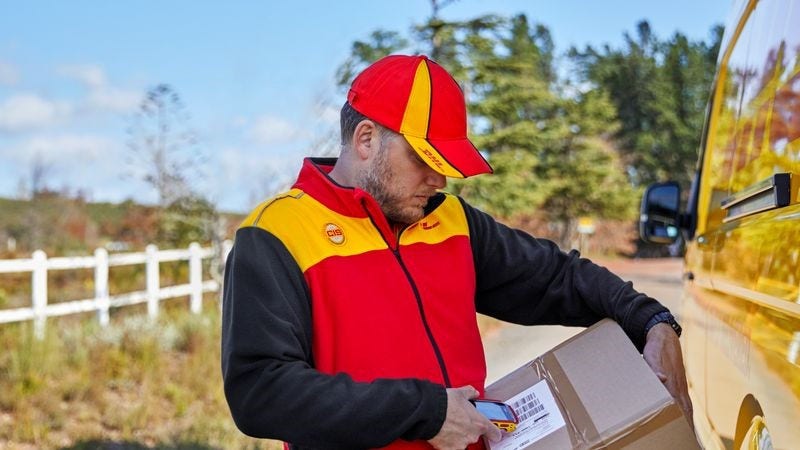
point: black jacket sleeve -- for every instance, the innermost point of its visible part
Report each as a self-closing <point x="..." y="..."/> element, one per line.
<point x="525" y="280"/>
<point x="271" y="386"/>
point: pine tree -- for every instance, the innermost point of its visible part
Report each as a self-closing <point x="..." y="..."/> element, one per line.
<point x="550" y="150"/>
<point x="549" y="143"/>
<point x="660" y="90"/>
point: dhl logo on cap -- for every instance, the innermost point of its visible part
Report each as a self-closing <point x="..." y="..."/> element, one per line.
<point x="417" y="98"/>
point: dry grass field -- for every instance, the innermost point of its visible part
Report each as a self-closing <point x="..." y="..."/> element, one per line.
<point x="136" y="384"/>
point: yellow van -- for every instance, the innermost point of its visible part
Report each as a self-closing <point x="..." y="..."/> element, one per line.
<point x="741" y="308"/>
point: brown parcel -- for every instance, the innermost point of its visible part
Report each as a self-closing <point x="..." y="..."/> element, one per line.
<point x="606" y="394"/>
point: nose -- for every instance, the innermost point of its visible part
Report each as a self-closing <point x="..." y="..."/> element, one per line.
<point x="435" y="179"/>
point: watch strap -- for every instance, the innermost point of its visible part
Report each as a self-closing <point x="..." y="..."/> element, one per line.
<point x="663" y="317"/>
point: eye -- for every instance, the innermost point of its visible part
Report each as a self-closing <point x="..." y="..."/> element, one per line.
<point x="419" y="160"/>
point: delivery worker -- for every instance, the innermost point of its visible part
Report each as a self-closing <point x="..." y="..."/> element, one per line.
<point x="350" y="300"/>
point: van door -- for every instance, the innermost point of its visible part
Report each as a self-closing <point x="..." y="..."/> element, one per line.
<point x="753" y="221"/>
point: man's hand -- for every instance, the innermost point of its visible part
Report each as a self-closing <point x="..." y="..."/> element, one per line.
<point x="662" y="351"/>
<point x="463" y="424"/>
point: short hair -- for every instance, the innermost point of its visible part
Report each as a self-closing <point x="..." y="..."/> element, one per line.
<point x="349" y="119"/>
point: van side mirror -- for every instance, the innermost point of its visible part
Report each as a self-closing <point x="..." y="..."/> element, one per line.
<point x="659" y="222"/>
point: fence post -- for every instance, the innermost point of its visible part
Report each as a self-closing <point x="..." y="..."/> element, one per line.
<point x="227" y="246"/>
<point x="196" y="277"/>
<point x="151" y="269"/>
<point x="39" y="293"/>
<point x="101" y="285"/>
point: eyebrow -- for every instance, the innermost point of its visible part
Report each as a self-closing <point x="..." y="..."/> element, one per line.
<point x="417" y="157"/>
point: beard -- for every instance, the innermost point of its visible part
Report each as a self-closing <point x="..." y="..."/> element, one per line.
<point x="378" y="181"/>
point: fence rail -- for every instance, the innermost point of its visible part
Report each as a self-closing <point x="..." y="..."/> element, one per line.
<point x="39" y="265"/>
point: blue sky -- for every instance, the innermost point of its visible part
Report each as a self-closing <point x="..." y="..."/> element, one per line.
<point x="257" y="78"/>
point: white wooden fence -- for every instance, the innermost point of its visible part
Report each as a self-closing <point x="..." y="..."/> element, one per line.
<point x="39" y="265"/>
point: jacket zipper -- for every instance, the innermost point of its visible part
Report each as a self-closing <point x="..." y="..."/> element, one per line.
<point x="435" y="346"/>
<point x="418" y="297"/>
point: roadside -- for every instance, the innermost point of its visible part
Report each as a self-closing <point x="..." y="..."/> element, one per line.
<point x="509" y="346"/>
<point x="667" y="269"/>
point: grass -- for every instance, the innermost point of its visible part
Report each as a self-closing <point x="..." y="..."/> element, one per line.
<point x="136" y="384"/>
<point x="133" y="385"/>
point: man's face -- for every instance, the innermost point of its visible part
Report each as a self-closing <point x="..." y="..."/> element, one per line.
<point x="400" y="181"/>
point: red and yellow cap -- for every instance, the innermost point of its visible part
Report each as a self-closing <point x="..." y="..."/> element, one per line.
<point x="417" y="98"/>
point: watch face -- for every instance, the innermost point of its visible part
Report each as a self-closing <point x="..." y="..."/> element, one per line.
<point x="669" y="319"/>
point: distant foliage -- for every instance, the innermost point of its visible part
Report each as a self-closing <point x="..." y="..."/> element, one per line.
<point x="165" y="153"/>
<point x="48" y="221"/>
<point x="660" y="89"/>
<point x="72" y="226"/>
<point x="381" y="43"/>
<point x="188" y="219"/>
<point x="550" y="150"/>
<point x="564" y="147"/>
<point x="164" y="150"/>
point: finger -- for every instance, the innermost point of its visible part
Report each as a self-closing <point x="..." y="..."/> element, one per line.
<point x="686" y="405"/>
<point x="680" y="393"/>
<point x="490" y="430"/>
<point x="674" y="390"/>
<point x="494" y="434"/>
<point x="469" y="392"/>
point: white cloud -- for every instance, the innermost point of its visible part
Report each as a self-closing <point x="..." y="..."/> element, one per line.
<point x="102" y="95"/>
<point x="65" y="150"/>
<point x="90" y="162"/>
<point x="115" y="100"/>
<point x="247" y="176"/>
<point x="275" y="130"/>
<point x="328" y="115"/>
<point x="243" y="163"/>
<point x="93" y="76"/>
<point x="9" y="75"/>
<point x="26" y="111"/>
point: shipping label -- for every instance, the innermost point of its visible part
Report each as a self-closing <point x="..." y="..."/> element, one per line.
<point x="538" y="416"/>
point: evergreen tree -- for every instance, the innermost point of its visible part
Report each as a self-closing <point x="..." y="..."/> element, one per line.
<point x="562" y="149"/>
<point x="660" y="90"/>
<point x="164" y="151"/>
<point x="550" y="150"/>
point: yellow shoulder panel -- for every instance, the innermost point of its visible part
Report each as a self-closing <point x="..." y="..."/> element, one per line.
<point x="255" y="215"/>
<point x="446" y="221"/>
<point x="312" y="232"/>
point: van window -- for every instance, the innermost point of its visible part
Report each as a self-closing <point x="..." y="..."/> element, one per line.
<point x="733" y="76"/>
<point x="758" y="123"/>
<point x="785" y="119"/>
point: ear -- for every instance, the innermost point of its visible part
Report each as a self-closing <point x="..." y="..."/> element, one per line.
<point x="365" y="139"/>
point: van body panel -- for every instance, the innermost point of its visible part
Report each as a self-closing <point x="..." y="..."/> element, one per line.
<point x="741" y="307"/>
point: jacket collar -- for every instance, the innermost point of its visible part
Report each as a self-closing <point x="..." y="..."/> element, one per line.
<point x="314" y="180"/>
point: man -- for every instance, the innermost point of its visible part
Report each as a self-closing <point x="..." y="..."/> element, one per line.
<point x="350" y="300"/>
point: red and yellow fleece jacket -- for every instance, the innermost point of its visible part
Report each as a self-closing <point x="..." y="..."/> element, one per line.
<point x="339" y="332"/>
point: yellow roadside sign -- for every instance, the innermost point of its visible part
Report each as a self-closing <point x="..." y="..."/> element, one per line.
<point x="586" y="225"/>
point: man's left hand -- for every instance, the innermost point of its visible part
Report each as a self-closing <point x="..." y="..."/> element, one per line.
<point x="662" y="351"/>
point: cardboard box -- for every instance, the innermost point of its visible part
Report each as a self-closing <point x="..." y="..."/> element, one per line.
<point x="593" y="390"/>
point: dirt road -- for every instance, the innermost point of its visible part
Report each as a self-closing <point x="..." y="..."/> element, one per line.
<point x="512" y="345"/>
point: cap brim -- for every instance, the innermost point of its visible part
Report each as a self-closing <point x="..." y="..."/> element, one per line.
<point x="456" y="158"/>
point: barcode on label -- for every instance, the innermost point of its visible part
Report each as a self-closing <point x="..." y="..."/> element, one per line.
<point x="527" y="406"/>
<point x="531" y="413"/>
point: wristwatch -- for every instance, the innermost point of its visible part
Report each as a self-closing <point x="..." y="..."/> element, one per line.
<point x="663" y="317"/>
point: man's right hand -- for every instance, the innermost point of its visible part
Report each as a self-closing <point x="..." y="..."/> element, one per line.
<point x="463" y="424"/>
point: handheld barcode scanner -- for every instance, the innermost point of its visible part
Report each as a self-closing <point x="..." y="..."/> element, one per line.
<point x="500" y="414"/>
